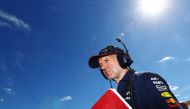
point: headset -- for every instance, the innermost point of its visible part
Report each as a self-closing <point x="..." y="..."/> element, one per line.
<point x="123" y="58"/>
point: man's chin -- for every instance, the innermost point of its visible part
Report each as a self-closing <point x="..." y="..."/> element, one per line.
<point x="110" y="78"/>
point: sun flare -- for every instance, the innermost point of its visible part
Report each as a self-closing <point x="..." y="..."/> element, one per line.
<point x="153" y="8"/>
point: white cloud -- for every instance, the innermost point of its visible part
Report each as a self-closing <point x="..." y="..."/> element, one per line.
<point x="9" y="91"/>
<point x="4" y="24"/>
<point x="66" y="98"/>
<point x="14" y="21"/>
<point x="165" y="59"/>
<point x="182" y="93"/>
<point x="174" y="88"/>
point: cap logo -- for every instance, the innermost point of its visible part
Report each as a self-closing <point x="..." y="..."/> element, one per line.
<point x="105" y="50"/>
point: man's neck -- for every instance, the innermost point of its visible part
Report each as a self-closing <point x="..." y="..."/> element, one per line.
<point x="122" y="74"/>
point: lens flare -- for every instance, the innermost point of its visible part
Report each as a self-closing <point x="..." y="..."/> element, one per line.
<point x="152" y="8"/>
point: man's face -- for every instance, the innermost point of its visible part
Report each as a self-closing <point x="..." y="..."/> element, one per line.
<point x="110" y="66"/>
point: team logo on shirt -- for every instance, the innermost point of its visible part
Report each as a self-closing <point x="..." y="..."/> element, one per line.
<point x="154" y="78"/>
<point x="166" y="94"/>
<point x="158" y="82"/>
<point x="127" y="95"/>
<point x="161" y="88"/>
<point x="172" y="103"/>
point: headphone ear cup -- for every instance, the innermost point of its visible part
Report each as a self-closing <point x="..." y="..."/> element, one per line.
<point x="123" y="60"/>
<point x="103" y="74"/>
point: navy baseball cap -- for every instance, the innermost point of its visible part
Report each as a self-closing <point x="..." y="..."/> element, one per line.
<point x="109" y="50"/>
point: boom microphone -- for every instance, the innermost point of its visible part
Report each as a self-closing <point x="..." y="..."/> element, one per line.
<point x="119" y="40"/>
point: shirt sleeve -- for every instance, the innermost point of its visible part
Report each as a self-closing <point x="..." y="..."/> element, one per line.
<point x="159" y="95"/>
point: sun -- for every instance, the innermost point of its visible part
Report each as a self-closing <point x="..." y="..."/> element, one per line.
<point x="152" y="8"/>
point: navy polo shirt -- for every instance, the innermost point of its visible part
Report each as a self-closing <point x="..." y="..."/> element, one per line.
<point x="147" y="91"/>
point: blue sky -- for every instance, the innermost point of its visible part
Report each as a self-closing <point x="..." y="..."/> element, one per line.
<point x="45" y="46"/>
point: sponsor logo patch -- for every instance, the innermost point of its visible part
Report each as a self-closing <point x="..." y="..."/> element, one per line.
<point x="154" y="78"/>
<point x="127" y="98"/>
<point x="128" y="93"/>
<point x="158" y="82"/>
<point x="161" y="88"/>
<point x="171" y="101"/>
<point x="166" y="94"/>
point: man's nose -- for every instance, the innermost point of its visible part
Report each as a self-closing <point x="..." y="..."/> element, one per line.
<point x="102" y="67"/>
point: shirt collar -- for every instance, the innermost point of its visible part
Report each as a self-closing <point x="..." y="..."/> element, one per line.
<point x="127" y="75"/>
<point x="125" y="80"/>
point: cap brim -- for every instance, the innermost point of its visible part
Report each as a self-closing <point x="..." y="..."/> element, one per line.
<point x="93" y="61"/>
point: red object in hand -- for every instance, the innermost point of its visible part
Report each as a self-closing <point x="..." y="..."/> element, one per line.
<point x="111" y="99"/>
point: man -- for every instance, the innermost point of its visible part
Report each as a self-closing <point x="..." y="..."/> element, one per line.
<point x="141" y="90"/>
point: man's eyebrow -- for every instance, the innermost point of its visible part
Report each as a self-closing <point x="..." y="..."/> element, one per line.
<point x="106" y="58"/>
<point x="103" y="60"/>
